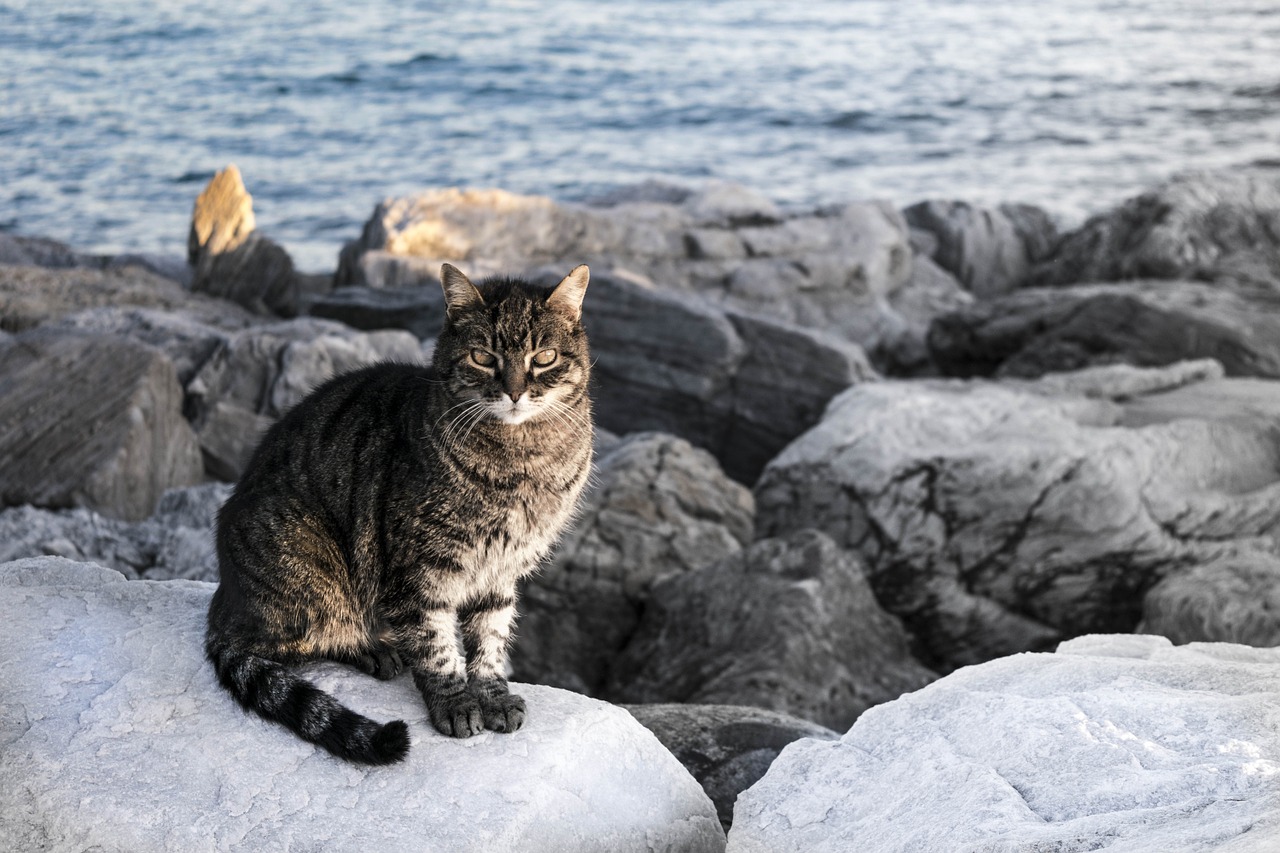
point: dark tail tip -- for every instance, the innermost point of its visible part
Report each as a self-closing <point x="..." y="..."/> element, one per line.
<point x="390" y="744"/>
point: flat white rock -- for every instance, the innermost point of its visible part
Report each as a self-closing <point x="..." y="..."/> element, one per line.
<point x="115" y="736"/>
<point x="1117" y="743"/>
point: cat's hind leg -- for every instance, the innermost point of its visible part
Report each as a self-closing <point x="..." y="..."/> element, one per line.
<point x="379" y="659"/>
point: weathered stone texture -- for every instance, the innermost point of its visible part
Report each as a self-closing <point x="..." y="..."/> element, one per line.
<point x="93" y="421"/>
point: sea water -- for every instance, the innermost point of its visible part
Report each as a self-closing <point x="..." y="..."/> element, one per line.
<point x="114" y="113"/>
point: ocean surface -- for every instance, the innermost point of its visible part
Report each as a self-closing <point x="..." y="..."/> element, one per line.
<point x="114" y="113"/>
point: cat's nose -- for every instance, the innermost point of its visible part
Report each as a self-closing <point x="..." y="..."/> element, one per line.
<point x="515" y="396"/>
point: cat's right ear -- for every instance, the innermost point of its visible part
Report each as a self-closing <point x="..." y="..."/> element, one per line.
<point x="459" y="293"/>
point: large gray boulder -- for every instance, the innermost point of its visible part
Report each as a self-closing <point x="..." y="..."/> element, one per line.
<point x="1123" y="742"/>
<point x="990" y="250"/>
<point x="1233" y="599"/>
<point x="31" y="295"/>
<point x="18" y="250"/>
<point x="1149" y="323"/>
<point x="114" y="735"/>
<point x="187" y="342"/>
<point x="418" y="310"/>
<point x="261" y="372"/>
<point x="842" y="269"/>
<point x="175" y="542"/>
<point x="727" y="748"/>
<point x="737" y="385"/>
<point x="788" y="624"/>
<point x="1001" y="517"/>
<point x="236" y="382"/>
<point x="1208" y="225"/>
<point x="931" y="292"/>
<point x="93" y="421"/>
<point x="659" y="506"/>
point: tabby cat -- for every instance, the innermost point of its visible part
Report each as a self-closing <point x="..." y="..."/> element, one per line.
<point x="391" y="512"/>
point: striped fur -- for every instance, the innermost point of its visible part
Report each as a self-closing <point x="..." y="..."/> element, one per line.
<point x="385" y="521"/>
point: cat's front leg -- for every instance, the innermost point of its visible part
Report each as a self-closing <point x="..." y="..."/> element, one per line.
<point x="428" y="639"/>
<point x="487" y="624"/>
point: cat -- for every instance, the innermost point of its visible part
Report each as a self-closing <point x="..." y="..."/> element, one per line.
<point x="393" y="510"/>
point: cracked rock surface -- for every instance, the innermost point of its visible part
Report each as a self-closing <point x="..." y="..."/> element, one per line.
<point x="727" y="748"/>
<point x="1122" y="742"/>
<point x="1206" y="225"/>
<point x="789" y="624"/>
<point x="1003" y="517"/>
<point x="114" y="736"/>
<point x="843" y="269"/>
<point x="175" y="542"/>
<point x="660" y="506"/>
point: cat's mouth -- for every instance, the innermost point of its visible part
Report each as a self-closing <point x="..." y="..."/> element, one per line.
<point x="513" y="412"/>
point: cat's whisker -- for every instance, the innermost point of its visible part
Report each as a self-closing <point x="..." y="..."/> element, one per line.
<point x="474" y="422"/>
<point x="446" y="435"/>
<point x="465" y="419"/>
<point x="450" y="409"/>
<point x="573" y="416"/>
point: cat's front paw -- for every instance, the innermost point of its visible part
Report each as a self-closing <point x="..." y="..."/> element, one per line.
<point x="503" y="711"/>
<point x="459" y="715"/>
<point x="453" y="709"/>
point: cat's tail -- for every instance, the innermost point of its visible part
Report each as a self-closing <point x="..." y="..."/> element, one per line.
<point x="274" y="692"/>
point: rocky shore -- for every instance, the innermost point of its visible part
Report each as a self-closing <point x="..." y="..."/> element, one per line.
<point x="843" y="454"/>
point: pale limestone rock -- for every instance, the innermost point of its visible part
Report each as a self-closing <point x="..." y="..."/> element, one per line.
<point x="1001" y="517"/>
<point x="114" y="735"/>
<point x="1120" y="741"/>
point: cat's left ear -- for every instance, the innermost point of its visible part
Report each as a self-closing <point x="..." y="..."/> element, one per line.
<point x="567" y="296"/>
<point x="459" y="293"/>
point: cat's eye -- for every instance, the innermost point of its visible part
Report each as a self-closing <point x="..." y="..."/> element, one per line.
<point x="545" y="358"/>
<point x="483" y="358"/>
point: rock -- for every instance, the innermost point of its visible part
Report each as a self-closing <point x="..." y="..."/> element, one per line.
<point x="1002" y="517"/>
<point x="1123" y="742"/>
<point x="188" y="343"/>
<point x="104" y="677"/>
<point x="788" y="624"/>
<point x="1234" y="599"/>
<point x="230" y="259"/>
<point x="902" y="349"/>
<point x="659" y="506"/>
<point x="419" y="310"/>
<point x="725" y="381"/>
<point x="32" y="295"/>
<point x="175" y="542"/>
<point x="727" y="748"/>
<point x="990" y="250"/>
<point x="1149" y="323"/>
<point x="43" y="252"/>
<point x="93" y="421"/>
<point x="839" y="270"/>
<point x="1208" y="225"/>
<point x="222" y="218"/>
<point x="257" y="274"/>
<point x="262" y="371"/>
<point x="773" y="401"/>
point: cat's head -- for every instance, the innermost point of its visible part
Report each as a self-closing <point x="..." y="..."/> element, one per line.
<point x="516" y="351"/>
